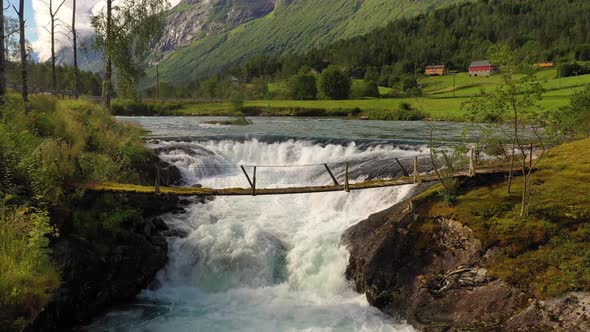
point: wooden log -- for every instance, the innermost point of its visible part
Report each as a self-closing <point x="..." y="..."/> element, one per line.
<point x="416" y="171"/>
<point x="157" y="186"/>
<point x="471" y="163"/>
<point x="346" y="184"/>
<point x="404" y="170"/>
<point x="254" y="183"/>
<point x="247" y="176"/>
<point x="331" y="175"/>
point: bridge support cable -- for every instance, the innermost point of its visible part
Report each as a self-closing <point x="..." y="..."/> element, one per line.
<point x="331" y="175"/>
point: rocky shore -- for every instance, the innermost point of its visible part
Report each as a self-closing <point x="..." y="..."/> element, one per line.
<point x="432" y="274"/>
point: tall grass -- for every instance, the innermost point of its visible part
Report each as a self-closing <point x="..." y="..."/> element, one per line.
<point x="28" y="276"/>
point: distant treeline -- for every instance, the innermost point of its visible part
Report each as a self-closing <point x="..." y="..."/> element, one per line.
<point x="541" y="30"/>
<point x="40" y="78"/>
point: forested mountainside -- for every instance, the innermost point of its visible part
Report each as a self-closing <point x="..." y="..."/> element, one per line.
<point x="294" y="26"/>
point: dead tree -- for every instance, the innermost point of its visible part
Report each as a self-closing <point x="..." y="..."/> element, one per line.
<point x="23" y="49"/>
<point x="53" y="22"/>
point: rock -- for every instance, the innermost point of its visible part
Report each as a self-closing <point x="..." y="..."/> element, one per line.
<point x="426" y="273"/>
<point x="92" y="282"/>
<point x="159" y="224"/>
<point x="430" y="272"/>
<point x="175" y="233"/>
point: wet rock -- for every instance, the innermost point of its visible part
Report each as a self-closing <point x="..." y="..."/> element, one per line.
<point x="93" y="281"/>
<point x="175" y="233"/>
<point x="159" y="224"/>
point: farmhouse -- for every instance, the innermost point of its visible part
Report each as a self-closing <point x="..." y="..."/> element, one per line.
<point x="439" y="70"/>
<point x="482" y="68"/>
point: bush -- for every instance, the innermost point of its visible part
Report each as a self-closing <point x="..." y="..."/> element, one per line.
<point x="334" y="84"/>
<point x="302" y="87"/>
<point x="134" y="108"/>
<point x="363" y="89"/>
<point x="572" y="69"/>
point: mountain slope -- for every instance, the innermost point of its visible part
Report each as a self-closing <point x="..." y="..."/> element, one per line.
<point x="294" y="26"/>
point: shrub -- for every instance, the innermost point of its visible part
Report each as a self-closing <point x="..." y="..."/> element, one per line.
<point x="334" y="84"/>
<point x="302" y="86"/>
<point x="363" y="89"/>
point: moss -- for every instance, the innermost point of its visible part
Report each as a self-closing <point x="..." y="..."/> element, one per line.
<point x="547" y="252"/>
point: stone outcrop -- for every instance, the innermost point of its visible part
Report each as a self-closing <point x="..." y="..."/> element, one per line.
<point x="431" y="273"/>
<point x="191" y="20"/>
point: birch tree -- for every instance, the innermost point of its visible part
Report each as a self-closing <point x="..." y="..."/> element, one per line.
<point x="124" y="31"/>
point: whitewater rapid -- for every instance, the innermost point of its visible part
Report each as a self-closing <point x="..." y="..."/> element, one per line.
<point x="272" y="263"/>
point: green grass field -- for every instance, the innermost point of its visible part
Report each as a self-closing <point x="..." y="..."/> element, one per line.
<point x="438" y="101"/>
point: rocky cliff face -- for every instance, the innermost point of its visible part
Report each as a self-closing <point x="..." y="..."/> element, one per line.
<point x="194" y="19"/>
<point x="431" y="272"/>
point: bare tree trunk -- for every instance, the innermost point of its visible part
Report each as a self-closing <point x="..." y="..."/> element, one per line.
<point x="108" y="73"/>
<point x="52" y="32"/>
<point x="2" y="56"/>
<point x="23" y="50"/>
<point x="514" y="142"/>
<point x="75" y="49"/>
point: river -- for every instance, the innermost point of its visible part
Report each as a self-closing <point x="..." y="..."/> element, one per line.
<point x="269" y="263"/>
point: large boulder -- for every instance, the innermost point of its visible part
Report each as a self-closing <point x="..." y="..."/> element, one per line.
<point x="432" y="273"/>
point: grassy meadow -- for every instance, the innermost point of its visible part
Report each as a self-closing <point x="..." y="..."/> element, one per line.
<point x="438" y="100"/>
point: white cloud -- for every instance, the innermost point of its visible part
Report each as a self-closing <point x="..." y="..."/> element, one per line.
<point x="84" y="11"/>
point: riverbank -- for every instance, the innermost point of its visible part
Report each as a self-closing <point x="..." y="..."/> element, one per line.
<point x="477" y="264"/>
<point x="67" y="255"/>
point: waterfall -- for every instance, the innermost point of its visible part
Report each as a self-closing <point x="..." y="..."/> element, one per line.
<point x="270" y="263"/>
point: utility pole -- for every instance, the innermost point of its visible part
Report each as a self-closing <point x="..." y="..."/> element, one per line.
<point x="158" y="82"/>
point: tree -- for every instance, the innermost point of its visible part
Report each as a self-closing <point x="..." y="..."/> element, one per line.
<point x="512" y="103"/>
<point x="53" y="11"/>
<point x="2" y="56"/>
<point x="334" y="84"/>
<point x="302" y="86"/>
<point x="123" y="34"/>
<point x="23" y="49"/>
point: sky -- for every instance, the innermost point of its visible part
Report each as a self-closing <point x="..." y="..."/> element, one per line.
<point x="37" y="20"/>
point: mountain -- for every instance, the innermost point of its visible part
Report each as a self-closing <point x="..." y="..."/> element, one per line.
<point x="195" y="19"/>
<point x="206" y="35"/>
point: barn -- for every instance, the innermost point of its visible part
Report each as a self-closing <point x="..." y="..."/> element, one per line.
<point x="482" y="68"/>
<point x="439" y="70"/>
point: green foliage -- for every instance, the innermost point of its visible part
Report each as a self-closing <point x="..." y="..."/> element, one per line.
<point x="302" y="86"/>
<point x="334" y="84"/>
<point x="126" y="37"/>
<point x="129" y="107"/>
<point x="574" y="119"/>
<point x="362" y="89"/>
<point x="237" y="101"/>
<point x="28" y="277"/>
<point x="572" y="69"/>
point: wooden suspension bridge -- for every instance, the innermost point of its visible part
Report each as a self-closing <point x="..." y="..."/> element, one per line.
<point x="414" y="178"/>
